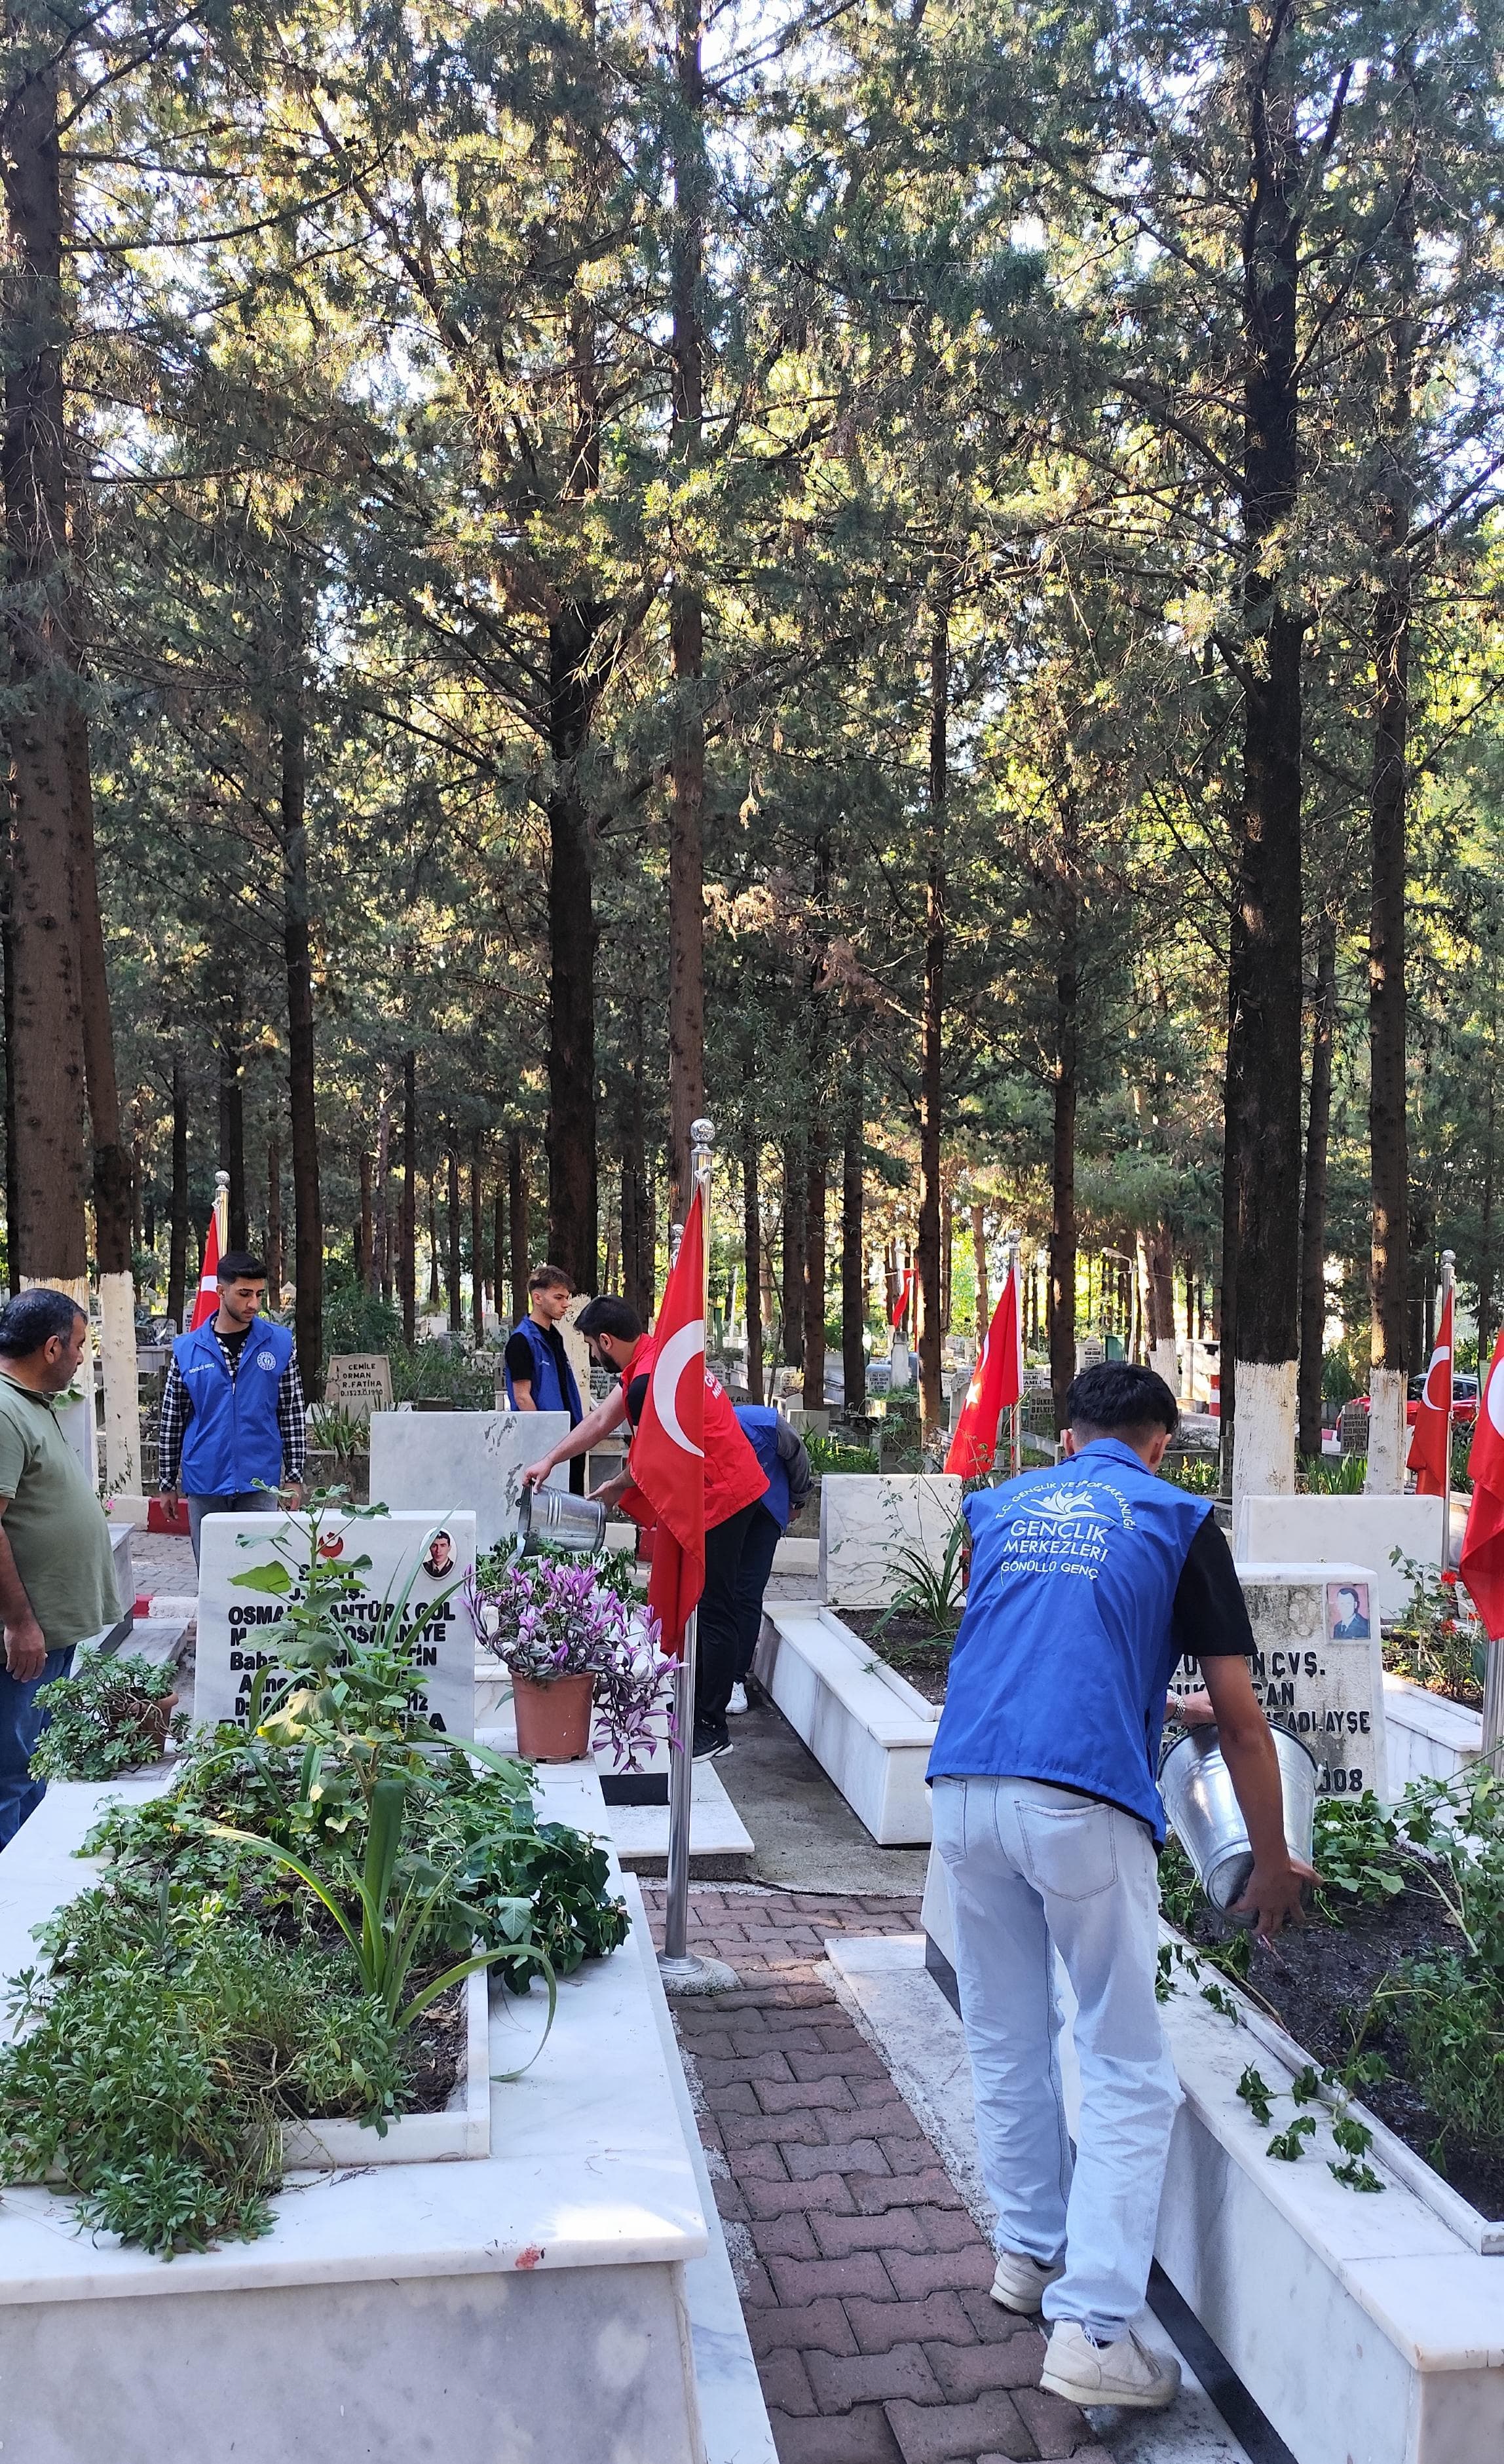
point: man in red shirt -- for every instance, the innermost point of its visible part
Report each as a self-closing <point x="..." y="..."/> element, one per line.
<point x="735" y="1482"/>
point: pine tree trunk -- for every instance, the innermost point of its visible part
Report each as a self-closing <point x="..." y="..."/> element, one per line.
<point x="686" y="621"/>
<point x="814" y="1273"/>
<point x="1064" y="1086"/>
<point x="178" y="1226"/>
<point x="274" y="1223"/>
<point x="114" y="1179"/>
<point x="435" y="1286"/>
<point x="1389" y="1262"/>
<point x="12" y="1201"/>
<point x="297" y="953"/>
<point x="932" y="1030"/>
<point x="792" y="1346"/>
<point x="1265" y="1056"/>
<point x="499" y="1247"/>
<point x="571" y="1131"/>
<point x="365" y="1244"/>
<point x="1313" y="1217"/>
<point x="381" y="1260"/>
<point x="233" y="1123"/>
<point x="48" y="1235"/>
<point x="408" y="1214"/>
<point x="517" y="1183"/>
<point x="457" y="1314"/>
<point x="477" y="1243"/>
<point x="752" y="1249"/>
<point x="853" y="1263"/>
<point x="978" y="1254"/>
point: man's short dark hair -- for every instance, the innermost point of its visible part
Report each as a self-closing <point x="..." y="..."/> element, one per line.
<point x="549" y="1279"/>
<point x="1115" y="1395"/>
<point x="33" y="1318"/>
<point x="238" y="1266"/>
<point x="606" y="1314"/>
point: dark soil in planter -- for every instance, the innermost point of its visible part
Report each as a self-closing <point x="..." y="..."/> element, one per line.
<point x="434" y="2046"/>
<point x="1320" y="1980"/>
<point x="907" y="1644"/>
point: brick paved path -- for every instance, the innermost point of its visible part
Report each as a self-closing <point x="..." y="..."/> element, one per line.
<point x="863" y="2279"/>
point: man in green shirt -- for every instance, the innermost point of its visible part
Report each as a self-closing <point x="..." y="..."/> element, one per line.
<point x="57" y="1566"/>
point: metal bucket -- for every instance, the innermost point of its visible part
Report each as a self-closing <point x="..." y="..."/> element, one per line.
<point x="554" y="1518"/>
<point x="1207" y="1820"/>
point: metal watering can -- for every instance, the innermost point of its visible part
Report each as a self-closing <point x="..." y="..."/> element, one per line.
<point x="554" y="1518"/>
<point x="1206" y="1817"/>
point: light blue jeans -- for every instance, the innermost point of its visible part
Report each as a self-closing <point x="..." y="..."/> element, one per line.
<point x="1035" y="1870"/>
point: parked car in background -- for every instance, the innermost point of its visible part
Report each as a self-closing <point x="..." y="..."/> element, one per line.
<point x="1464" y="1397"/>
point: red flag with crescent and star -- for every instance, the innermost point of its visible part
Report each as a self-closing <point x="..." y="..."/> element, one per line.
<point x="1427" y="1455"/>
<point x="207" y="1305"/>
<point x="1482" y="1561"/>
<point x="668" y="1453"/>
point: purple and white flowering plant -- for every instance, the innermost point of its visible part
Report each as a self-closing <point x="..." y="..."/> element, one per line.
<point x="548" y="1618"/>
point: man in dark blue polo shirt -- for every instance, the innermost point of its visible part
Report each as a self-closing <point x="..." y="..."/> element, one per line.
<point x="1089" y="1581"/>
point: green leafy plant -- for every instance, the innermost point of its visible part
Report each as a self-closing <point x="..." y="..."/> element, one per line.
<point x="1436" y="1642"/>
<point x="1256" y="2093"/>
<point x="114" y="1713"/>
<point x="1332" y="1475"/>
<point x="1289" y="2145"/>
<point x="389" y="1920"/>
<point x="933" y="1593"/>
<point x="1357" y="1849"/>
<point x="335" y="1431"/>
<point x="834" y="1455"/>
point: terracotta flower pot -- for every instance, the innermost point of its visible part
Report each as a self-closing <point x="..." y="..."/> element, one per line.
<point x="553" y="1720"/>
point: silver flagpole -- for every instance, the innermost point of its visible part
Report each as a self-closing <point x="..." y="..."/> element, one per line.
<point x="1449" y="1265"/>
<point x="680" y="1973"/>
<point x="1015" y="1413"/>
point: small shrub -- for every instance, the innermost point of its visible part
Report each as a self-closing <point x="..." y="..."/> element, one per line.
<point x="111" y="1715"/>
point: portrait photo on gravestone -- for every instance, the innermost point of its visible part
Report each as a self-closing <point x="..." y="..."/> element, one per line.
<point x="237" y="1613"/>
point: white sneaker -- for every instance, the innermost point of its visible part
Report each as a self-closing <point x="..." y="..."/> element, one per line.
<point x="1020" y="2281"/>
<point x="738" y="1698"/>
<point x="1120" y="2373"/>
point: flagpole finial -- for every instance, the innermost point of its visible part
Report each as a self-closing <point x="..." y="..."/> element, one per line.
<point x="221" y="1180"/>
<point x="702" y="1134"/>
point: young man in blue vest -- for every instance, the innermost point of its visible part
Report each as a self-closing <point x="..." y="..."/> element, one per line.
<point x="233" y="1430"/>
<point x="1089" y="1581"/>
<point x="534" y="1364"/>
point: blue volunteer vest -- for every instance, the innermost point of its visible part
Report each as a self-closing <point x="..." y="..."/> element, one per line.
<point x="1059" y="1670"/>
<point x="760" y="1427"/>
<point x="231" y="1442"/>
<point x="547" y="1394"/>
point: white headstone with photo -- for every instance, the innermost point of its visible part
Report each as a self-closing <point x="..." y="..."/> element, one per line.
<point x="1318" y="1668"/>
<point x="359" y="1382"/>
<point x="239" y="1603"/>
<point x="433" y="1461"/>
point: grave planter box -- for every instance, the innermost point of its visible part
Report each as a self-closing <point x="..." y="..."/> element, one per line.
<point x="867" y="1726"/>
<point x="1429" y="1737"/>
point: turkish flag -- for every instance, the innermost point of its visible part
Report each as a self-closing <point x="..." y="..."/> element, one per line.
<point x="668" y="1453"/>
<point x="1482" y="1564"/>
<point x="1427" y="1455"/>
<point x="207" y="1305"/>
<point x="896" y="1319"/>
<point x="996" y="1382"/>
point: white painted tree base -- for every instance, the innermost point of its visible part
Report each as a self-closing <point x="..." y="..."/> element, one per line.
<point x="121" y="1394"/>
<point x="1388" y="1437"/>
<point x="1264" y="1430"/>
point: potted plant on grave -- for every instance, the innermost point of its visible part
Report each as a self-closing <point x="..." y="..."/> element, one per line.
<point x="573" y="1644"/>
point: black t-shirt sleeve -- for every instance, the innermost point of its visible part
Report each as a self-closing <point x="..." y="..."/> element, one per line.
<point x="518" y="1356"/>
<point x="636" y="1398"/>
<point x="1210" y="1619"/>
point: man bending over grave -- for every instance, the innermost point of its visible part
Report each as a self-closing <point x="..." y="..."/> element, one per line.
<point x="233" y="1431"/>
<point x="1089" y="1581"/>
<point x="56" y="1569"/>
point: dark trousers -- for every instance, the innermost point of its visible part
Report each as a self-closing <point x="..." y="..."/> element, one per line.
<point x="247" y="1500"/>
<point x="716" y="1664"/>
<point x="764" y="1534"/>
<point x="22" y="1720"/>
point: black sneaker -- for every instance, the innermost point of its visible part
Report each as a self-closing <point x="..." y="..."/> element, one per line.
<point x="710" y="1742"/>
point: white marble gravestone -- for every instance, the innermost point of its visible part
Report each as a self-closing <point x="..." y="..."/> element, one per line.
<point x="359" y="1382"/>
<point x="427" y="1463"/>
<point x="235" y="1614"/>
<point x="867" y="1520"/>
<point x="1316" y="1672"/>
